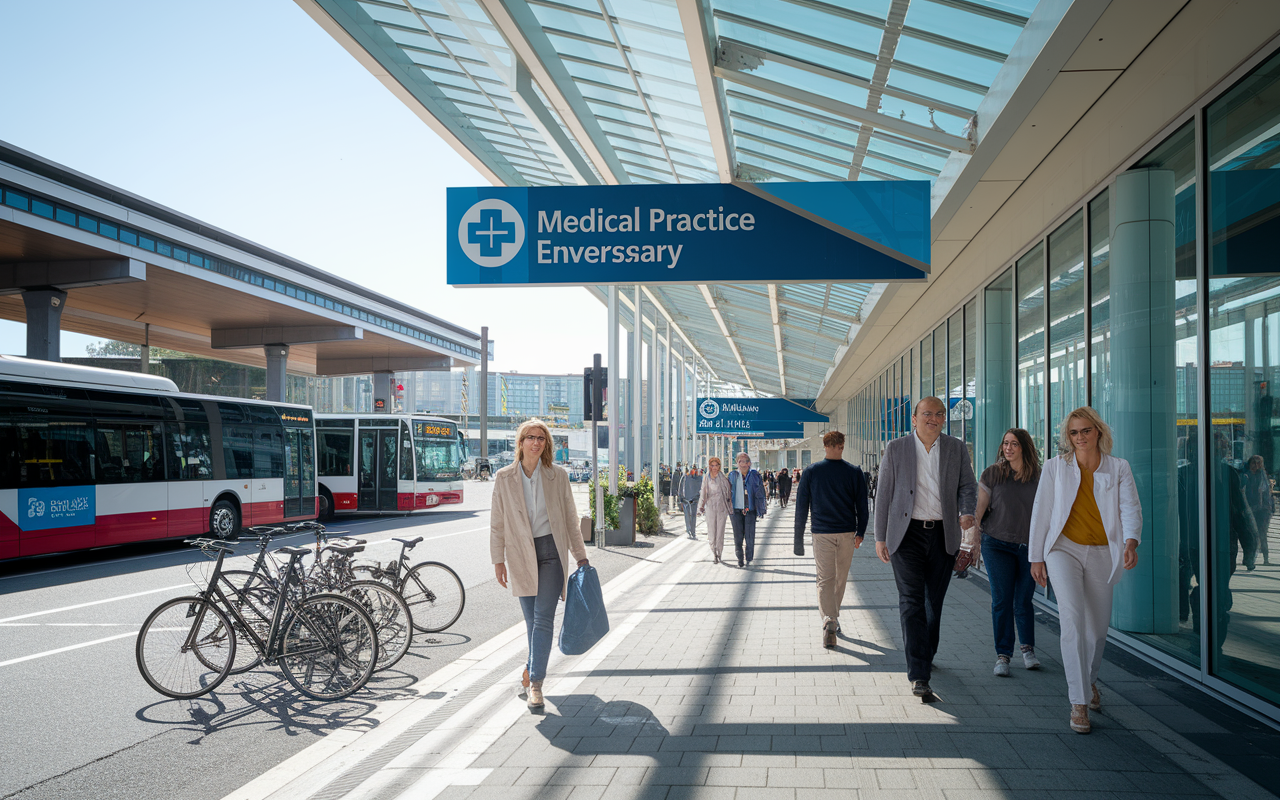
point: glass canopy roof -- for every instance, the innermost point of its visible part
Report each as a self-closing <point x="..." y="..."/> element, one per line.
<point x="565" y="92"/>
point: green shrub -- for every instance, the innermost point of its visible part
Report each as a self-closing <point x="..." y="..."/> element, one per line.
<point x="647" y="519"/>
<point x="610" y="506"/>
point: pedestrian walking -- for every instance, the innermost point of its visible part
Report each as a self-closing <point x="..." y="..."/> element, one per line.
<point x="715" y="501"/>
<point x="533" y="529"/>
<point x="927" y="495"/>
<point x="784" y="488"/>
<point x="749" y="504"/>
<point x="835" y="493"/>
<point x="773" y="484"/>
<point x="1257" y="486"/>
<point x="1085" y="527"/>
<point x="1006" y="495"/>
<point x="690" y="491"/>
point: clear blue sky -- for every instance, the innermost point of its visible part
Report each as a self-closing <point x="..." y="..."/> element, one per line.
<point x="245" y="114"/>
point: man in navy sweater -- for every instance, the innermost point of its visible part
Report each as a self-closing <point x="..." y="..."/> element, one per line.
<point x="835" y="492"/>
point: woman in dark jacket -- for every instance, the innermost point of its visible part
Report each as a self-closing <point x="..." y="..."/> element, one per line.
<point x="784" y="488"/>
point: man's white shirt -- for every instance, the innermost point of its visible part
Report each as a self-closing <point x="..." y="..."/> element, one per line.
<point x="928" y="497"/>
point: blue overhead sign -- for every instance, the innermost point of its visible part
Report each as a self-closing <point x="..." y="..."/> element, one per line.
<point x="756" y="416"/>
<point x="688" y="233"/>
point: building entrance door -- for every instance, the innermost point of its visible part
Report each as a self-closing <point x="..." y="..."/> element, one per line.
<point x="377" y="470"/>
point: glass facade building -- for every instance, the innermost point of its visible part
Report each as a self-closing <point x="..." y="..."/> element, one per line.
<point x="1156" y="299"/>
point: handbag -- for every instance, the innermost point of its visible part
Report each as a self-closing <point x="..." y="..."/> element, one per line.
<point x="966" y="557"/>
<point x="585" y="620"/>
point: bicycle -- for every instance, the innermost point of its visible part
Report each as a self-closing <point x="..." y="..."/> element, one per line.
<point x="325" y="644"/>
<point x="434" y="592"/>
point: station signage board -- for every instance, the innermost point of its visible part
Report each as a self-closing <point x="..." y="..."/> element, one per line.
<point x="688" y="233"/>
<point x="768" y="418"/>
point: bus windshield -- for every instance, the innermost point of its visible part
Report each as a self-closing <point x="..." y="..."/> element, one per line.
<point x="438" y="459"/>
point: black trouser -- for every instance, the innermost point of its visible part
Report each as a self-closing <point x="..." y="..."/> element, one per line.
<point x="922" y="569"/>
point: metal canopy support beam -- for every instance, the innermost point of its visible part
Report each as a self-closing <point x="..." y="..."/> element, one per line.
<point x="724" y="329"/>
<point x="901" y="127"/>
<point x="652" y="393"/>
<point x="541" y="118"/>
<point x="614" y="385"/>
<point x="232" y="338"/>
<point x="277" y="371"/>
<point x="880" y="78"/>
<point x="334" y="367"/>
<point x="694" y="16"/>
<point x="519" y="26"/>
<point x="15" y="276"/>
<point x="637" y="378"/>
<point x="777" y="334"/>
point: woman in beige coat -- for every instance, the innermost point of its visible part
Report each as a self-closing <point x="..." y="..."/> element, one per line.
<point x="714" y="501"/>
<point x="533" y="528"/>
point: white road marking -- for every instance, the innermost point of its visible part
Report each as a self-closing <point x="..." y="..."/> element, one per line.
<point x="186" y="586"/>
<point x="63" y="624"/>
<point x="65" y="649"/>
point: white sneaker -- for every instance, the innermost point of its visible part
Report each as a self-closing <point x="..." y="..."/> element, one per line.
<point x="1002" y="667"/>
<point x="1029" y="659"/>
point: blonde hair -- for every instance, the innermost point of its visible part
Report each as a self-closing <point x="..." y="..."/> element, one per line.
<point x="715" y="460"/>
<point x="525" y="429"/>
<point x="1067" y="449"/>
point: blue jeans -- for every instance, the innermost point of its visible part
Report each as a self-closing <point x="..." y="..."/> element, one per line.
<point x="1012" y="588"/>
<point x="540" y="609"/>
<point x="744" y="532"/>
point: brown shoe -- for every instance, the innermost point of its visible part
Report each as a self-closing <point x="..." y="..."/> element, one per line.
<point x="829" y="634"/>
<point x="1080" y="719"/>
<point x="535" y="695"/>
<point x="1095" y="703"/>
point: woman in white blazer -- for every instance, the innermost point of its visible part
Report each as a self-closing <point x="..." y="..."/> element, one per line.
<point x="533" y="533"/>
<point x="1086" y="525"/>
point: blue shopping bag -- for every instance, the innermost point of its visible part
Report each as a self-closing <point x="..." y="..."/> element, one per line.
<point x="585" y="620"/>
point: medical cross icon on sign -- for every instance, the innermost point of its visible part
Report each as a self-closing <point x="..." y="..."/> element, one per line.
<point x="491" y="232"/>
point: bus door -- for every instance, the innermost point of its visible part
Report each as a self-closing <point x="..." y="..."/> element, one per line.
<point x="299" y="473"/>
<point x="377" y="470"/>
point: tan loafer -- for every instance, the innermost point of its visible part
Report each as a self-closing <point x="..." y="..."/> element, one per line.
<point x="535" y="695"/>
<point x="1095" y="703"/>
<point x="1080" y="719"/>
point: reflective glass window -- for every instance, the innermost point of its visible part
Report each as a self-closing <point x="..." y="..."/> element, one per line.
<point x="940" y="362"/>
<point x="1243" y="146"/>
<point x="926" y="367"/>
<point x="1066" y="319"/>
<point x="1031" y="399"/>
<point x="970" y="377"/>
<point x="995" y="401"/>
<point x="1100" y="299"/>
<point x="955" y="374"/>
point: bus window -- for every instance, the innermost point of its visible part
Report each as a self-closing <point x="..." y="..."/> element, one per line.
<point x="189" y="452"/>
<point x="307" y="446"/>
<point x="44" y="452"/>
<point x="237" y="450"/>
<point x="406" y="453"/>
<point x="128" y="452"/>
<point x="335" y="452"/>
<point x="437" y="459"/>
<point x="268" y="452"/>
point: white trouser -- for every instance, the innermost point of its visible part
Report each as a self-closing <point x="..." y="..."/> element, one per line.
<point x="1080" y="577"/>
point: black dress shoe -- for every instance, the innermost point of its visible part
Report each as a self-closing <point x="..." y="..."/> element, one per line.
<point x="921" y="689"/>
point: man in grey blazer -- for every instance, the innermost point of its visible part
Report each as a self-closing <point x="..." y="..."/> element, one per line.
<point x="927" y="495"/>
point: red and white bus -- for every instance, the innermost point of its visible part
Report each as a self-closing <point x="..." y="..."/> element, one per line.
<point x="94" y="457"/>
<point x="387" y="462"/>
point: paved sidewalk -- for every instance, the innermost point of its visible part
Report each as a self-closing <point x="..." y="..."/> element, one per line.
<point x="713" y="685"/>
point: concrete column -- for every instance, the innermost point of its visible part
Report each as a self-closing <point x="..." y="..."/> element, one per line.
<point x="615" y="389"/>
<point x="484" y="393"/>
<point x="1144" y="423"/>
<point x="628" y="402"/>
<point x="277" y="369"/>
<point x="668" y="449"/>
<point x="682" y="454"/>
<point x="382" y="391"/>
<point x="44" y="323"/>
<point x="144" y="363"/>
<point x="637" y="384"/>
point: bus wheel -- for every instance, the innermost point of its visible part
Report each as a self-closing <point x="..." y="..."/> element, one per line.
<point x="224" y="519"/>
<point x="326" y="506"/>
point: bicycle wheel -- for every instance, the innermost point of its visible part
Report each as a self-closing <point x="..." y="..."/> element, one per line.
<point x="330" y="647"/>
<point x="183" y="649"/>
<point x="391" y="619"/>
<point x="255" y="599"/>
<point x="435" y="596"/>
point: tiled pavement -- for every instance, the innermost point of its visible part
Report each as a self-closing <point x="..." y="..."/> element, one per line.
<point x="722" y="691"/>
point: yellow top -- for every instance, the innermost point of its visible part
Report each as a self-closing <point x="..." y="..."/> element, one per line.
<point x="1084" y="525"/>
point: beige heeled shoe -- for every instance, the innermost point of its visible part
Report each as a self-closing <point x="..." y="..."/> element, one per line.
<point x="1095" y="702"/>
<point x="1080" y="719"/>
<point x="535" y="695"/>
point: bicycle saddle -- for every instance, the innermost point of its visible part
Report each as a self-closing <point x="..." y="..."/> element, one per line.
<point x="408" y="543"/>
<point x="346" y="549"/>
<point x="295" y="551"/>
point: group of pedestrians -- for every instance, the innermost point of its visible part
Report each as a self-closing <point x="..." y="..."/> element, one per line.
<point x="1076" y="520"/>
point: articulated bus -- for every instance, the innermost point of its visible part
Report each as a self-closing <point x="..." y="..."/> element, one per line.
<point x="387" y="462"/>
<point x="94" y="457"/>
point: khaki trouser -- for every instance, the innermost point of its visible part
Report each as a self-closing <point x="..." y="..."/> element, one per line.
<point x="833" y="555"/>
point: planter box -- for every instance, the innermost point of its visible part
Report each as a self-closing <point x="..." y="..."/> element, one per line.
<point x="626" y="533"/>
